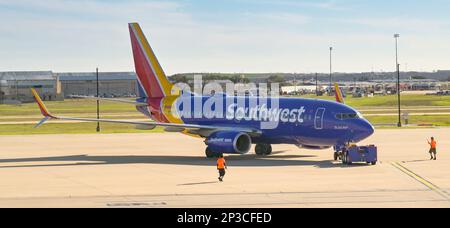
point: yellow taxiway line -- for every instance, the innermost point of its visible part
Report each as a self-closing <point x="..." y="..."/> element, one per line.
<point x="421" y="180"/>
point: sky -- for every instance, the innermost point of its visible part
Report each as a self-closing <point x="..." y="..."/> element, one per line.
<point x="230" y="36"/>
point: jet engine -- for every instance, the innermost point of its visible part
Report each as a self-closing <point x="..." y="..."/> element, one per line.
<point x="229" y="142"/>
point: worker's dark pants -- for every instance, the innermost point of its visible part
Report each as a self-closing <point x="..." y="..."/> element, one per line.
<point x="433" y="151"/>
<point x="221" y="172"/>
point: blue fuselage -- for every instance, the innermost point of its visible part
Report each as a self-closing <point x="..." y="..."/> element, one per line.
<point x="298" y="121"/>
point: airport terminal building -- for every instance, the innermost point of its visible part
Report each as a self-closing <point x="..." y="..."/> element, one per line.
<point x="113" y="84"/>
<point x="15" y="86"/>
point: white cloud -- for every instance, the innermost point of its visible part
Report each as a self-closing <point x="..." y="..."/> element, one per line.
<point x="80" y="35"/>
<point x="319" y="4"/>
<point x="74" y="35"/>
<point x="401" y="23"/>
<point x="92" y="6"/>
<point x="279" y="18"/>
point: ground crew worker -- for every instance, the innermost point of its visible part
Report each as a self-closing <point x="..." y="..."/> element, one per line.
<point x="221" y="166"/>
<point x="433" y="147"/>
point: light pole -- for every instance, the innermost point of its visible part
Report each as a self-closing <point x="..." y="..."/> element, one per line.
<point x="317" y="86"/>
<point x="295" y="82"/>
<point x="396" y="36"/>
<point x="98" y="103"/>
<point x="331" y="70"/>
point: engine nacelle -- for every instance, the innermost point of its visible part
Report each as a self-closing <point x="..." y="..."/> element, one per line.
<point x="229" y="142"/>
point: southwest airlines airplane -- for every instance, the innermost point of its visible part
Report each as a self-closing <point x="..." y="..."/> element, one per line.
<point x="236" y="122"/>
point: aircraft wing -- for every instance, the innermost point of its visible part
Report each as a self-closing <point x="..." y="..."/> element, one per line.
<point x="111" y="99"/>
<point x="201" y="130"/>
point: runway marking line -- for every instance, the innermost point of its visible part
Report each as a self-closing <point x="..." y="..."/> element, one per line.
<point x="422" y="180"/>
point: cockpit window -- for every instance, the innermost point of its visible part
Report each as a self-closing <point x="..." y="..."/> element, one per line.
<point x="347" y="116"/>
<point x="360" y="115"/>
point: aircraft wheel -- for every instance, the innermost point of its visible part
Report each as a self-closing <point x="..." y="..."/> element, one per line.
<point x="344" y="158"/>
<point x="348" y="160"/>
<point x="209" y="153"/>
<point x="269" y="149"/>
<point x="259" y="149"/>
<point x="263" y="149"/>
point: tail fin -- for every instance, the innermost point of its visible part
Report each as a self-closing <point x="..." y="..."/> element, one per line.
<point x="339" y="94"/>
<point x="153" y="82"/>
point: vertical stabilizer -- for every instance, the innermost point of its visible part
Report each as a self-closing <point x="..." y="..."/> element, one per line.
<point x="152" y="80"/>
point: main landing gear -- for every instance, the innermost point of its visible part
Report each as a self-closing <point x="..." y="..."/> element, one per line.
<point x="263" y="149"/>
<point x="260" y="149"/>
<point x="210" y="154"/>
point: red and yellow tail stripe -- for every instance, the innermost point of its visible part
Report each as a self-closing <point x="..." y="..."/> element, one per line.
<point x="150" y="74"/>
<point x="41" y="104"/>
<point x="338" y="93"/>
<point x="152" y="78"/>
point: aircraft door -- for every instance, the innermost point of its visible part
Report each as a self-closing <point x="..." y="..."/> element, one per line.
<point x="318" y="119"/>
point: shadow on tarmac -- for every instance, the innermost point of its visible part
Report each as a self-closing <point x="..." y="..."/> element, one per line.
<point x="414" y="161"/>
<point x="250" y="160"/>
<point x="199" y="183"/>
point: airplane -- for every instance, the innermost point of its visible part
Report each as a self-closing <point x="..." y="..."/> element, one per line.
<point x="307" y="123"/>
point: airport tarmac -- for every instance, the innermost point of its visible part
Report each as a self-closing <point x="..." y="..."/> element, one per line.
<point x="170" y="170"/>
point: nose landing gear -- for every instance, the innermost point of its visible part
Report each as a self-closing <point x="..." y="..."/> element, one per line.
<point x="337" y="156"/>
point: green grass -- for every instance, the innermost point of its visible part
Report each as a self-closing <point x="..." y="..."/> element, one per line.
<point x="391" y="100"/>
<point x="38" y="118"/>
<point x="406" y="101"/>
<point x="68" y="106"/>
<point x="71" y="128"/>
<point x="74" y="108"/>
<point x="112" y="110"/>
<point x="437" y="120"/>
<point x="77" y="106"/>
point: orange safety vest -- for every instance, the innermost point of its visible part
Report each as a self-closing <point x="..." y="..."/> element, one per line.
<point x="433" y="144"/>
<point x="221" y="163"/>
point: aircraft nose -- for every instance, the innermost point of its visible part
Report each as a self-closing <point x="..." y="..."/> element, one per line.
<point x="365" y="130"/>
<point x="369" y="129"/>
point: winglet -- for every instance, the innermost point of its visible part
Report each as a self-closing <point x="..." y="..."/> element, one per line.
<point x="43" y="109"/>
<point x="338" y="93"/>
